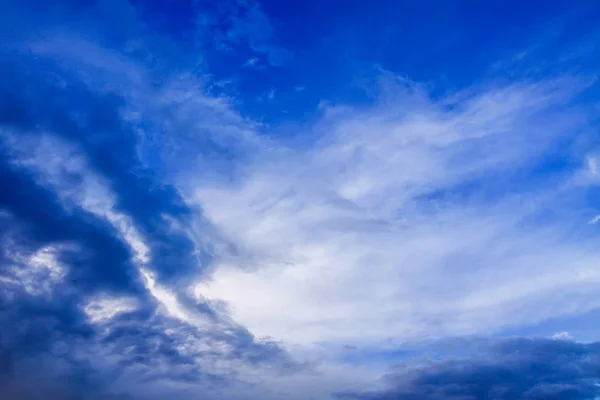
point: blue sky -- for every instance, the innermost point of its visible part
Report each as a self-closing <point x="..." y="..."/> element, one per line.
<point x="299" y="200"/>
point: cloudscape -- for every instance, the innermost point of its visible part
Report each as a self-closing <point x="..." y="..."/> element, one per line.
<point x="305" y="200"/>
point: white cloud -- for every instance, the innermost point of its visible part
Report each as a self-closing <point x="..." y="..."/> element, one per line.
<point x="405" y="220"/>
<point x="103" y="309"/>
<point x="372" y="232"/>
<point x="37" y="273"/>
<point x="61" y="167"/>
<point x="561" y="336"/>
<point x="251" y="62"/>
<point x="56" y="163"/>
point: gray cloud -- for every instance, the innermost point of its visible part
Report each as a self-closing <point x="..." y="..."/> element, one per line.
<point x="532" y="369"/>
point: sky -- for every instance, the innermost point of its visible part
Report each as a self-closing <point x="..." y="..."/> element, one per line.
<point x="305" y="200"/>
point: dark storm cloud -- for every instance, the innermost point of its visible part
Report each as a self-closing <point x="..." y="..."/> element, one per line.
<point x="532" y="369"/>
<point x="39" y="220"/>
<point x="49" y="99"/>
<point x="48" y="323"/>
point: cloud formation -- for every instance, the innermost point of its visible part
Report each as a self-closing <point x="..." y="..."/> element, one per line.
<point x="509" y="369"/>
<point x="159" y="242"/>
<point x="96" y="247"/>
<point x="393" y="222"/>
<point x="239" y="26"/>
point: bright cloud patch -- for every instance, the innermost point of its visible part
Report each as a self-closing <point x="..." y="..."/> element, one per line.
<point x="36" y="273"/>
<point x="103" y="309"/>
<point x="409" y="220"/>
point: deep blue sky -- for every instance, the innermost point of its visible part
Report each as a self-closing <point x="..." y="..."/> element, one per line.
<point x="252" y="199"/>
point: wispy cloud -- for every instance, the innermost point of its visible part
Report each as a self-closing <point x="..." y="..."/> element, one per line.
<point x="394" y="223"/>
<point x="242" y="25"/>
<point x="251" y="62"/>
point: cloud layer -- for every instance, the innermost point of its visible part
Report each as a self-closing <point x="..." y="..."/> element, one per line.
<point x="394" y="222"/>
<point x="158" y="241"/>
<point x="509" y="369"/>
